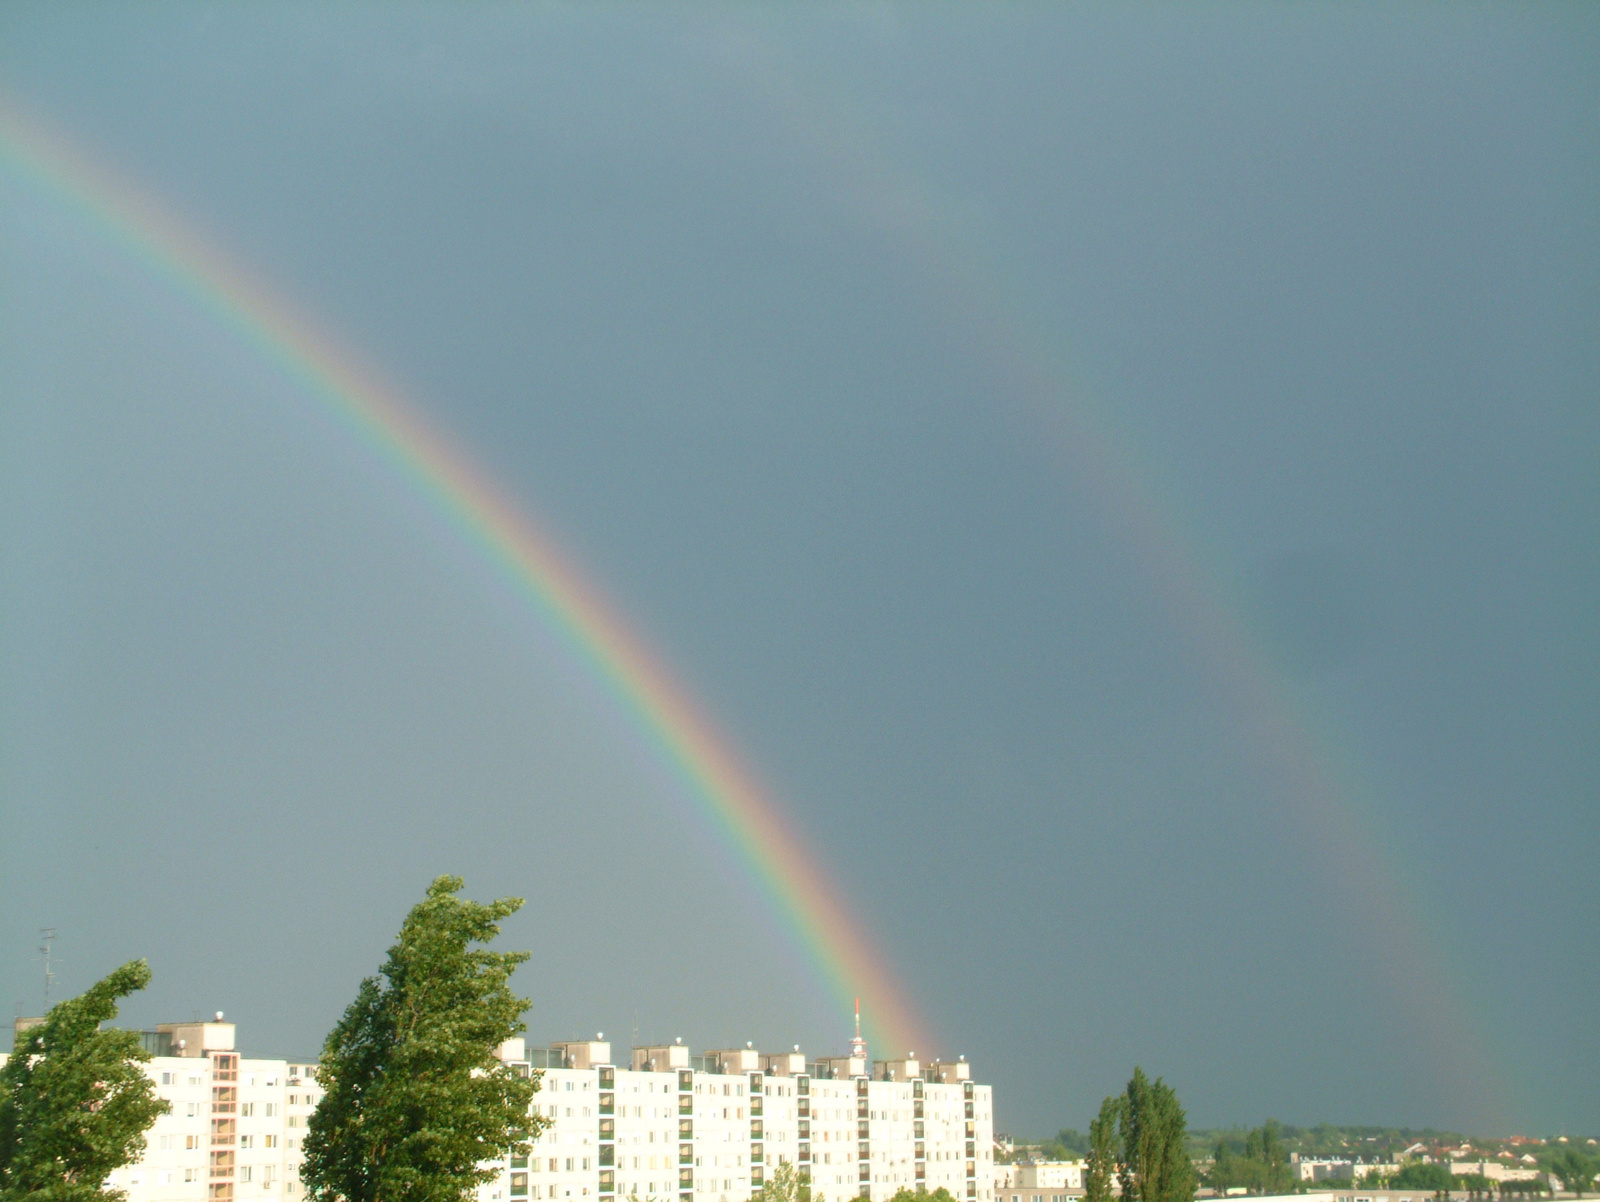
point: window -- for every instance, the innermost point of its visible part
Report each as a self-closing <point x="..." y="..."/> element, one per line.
<point x="247" y="1109"/>
<point x="244" y="1140"/>
<point x="269" y="1141"/>
<point x="244" y="1172"/>
<point x="166" y="1078"/>
<point x="270" y="1109"/>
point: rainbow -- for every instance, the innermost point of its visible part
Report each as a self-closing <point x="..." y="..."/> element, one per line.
<point x="771" y="853"/>
<point x="1323" y="800"/>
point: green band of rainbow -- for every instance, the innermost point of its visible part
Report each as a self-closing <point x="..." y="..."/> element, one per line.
<point x="806" y="905"/>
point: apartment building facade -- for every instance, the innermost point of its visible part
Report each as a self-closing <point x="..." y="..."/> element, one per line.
<point x="668" y="1126"/>
<point x="677" y="1127"/>
<point x="234" y="1125"/>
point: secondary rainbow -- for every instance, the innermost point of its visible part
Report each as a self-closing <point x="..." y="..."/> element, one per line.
<point x="553" y="589"/>
<point x="1323" y="797"/>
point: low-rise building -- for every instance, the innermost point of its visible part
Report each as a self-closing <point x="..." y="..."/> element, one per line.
<point x="1321" y="1168"/>
<point x="1039" y="1181"/>
<point x="1492" y="1170"/>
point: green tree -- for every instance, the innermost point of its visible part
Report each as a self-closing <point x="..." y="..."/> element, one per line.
<point x="74" y="1101"/>
<point x="1155" y="1158"/>
<point x="921" y="1194"/>
<point x="1576" y="1169"/>
<point x="1225" y="1171"/>
<point x="1418" y="1175"/>
<point x="1100" y="1166"/>
<point x="1067" y="1144"/>
<point x="784" y="1185"/>
<point x="1270" y="1162"/>
<point x="415" y="1100"/>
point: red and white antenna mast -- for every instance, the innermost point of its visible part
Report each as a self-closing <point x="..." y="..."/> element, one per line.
<point x="858" y="1046"/>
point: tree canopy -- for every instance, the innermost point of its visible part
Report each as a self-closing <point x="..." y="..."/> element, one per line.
<point x="1155" y="1160"/>
<point x="1576" y="1169"/>
<point x="1262" y="1168"/>
<point x="74" y="1101"/>
<point x="922" y="1195"/>
<point x="1139" y="1138"/>
<point x="1100" y="1166"/>
<point x="1417" y="1175"/>
<point x="416" y="1101"/>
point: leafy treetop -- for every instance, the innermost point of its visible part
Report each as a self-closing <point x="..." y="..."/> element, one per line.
<point x="416" y="1101"/>
<point x="74" y="1101"/>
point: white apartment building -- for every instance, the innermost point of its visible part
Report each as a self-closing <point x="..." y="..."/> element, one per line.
<point x="677" y="1127"/>
<point x="235" y="1124"/>
<point x="671" y="1126"/>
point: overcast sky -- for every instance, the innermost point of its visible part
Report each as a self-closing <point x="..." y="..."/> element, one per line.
<point x="1126" y="480"/>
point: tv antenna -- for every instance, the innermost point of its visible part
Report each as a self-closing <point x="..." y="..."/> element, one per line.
<point x="47" y="936"/>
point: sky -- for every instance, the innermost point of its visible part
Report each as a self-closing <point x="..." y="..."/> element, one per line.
<point x="1124" y="480"/>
